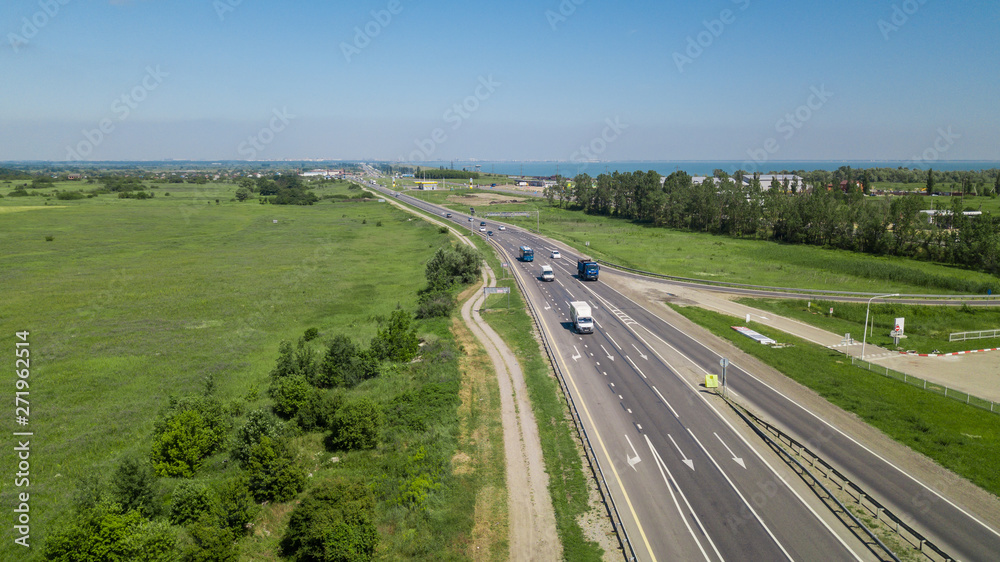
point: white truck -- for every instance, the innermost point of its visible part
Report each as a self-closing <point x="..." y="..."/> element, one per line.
<point x="547" y="274"/>
<point x="583" y="321"/>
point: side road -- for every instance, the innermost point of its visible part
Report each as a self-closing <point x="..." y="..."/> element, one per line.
<point x="532" y="520"/>
<point x="976" y="374"/>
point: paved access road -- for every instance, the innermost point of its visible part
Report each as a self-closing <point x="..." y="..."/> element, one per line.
<point x="687" y="485"/>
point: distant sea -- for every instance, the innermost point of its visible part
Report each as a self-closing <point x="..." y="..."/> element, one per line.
<point x="698" y="167"/>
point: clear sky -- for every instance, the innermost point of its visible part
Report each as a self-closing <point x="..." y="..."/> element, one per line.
<point x="545" y="80"/>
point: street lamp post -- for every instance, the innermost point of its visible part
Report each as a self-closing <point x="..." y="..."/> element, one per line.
<point x="864" y="336"/>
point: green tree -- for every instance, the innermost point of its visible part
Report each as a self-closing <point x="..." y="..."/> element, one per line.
<point x="234" y="507"/>
<point x="357" y="425"/>
<point x="259" y="423"/>
<point x="335" y="522"/>
<point x="930" y="181"/>
<point x="181" y="444"/>
<point x="242" y="194"/>
<point x="133" y="486"/>
<point x="289" y="394"/>
<point x="397" y="341"/>
<point x="188" y="502"/>
<point x="272" y="473"/>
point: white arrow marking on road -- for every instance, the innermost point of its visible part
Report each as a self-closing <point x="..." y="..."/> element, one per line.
<point x="684" y="458"/>
<point x="578" y="354"/>
<point x="738" y="460"/>
<point x="632" y="461"/>
<point x="611" y="357"/>
<point x="646" y="357"/>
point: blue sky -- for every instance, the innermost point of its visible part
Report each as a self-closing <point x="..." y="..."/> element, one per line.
<point x="548" y="80"/>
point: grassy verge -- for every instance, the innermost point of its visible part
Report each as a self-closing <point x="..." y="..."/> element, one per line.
<point x="961" y="438"/>
<point x="927" y="327"/>
<point x="720" y="258"/>
<point x="567" y="480"/>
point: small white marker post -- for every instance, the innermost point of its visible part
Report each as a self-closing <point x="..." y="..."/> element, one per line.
<point x="725" y="363"/>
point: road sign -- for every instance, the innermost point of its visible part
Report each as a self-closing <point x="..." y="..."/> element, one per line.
<point x="496" y="290"/>
<point x="724" y="362"/>
<point x="504" y="265"/>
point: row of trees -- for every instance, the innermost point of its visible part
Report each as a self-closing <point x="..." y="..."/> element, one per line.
<point x="821" y="217"/>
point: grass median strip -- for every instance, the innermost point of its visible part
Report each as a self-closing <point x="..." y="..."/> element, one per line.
<point x="961" y="438"/>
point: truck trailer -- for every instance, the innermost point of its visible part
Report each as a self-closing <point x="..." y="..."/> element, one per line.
<point x="583" y="320"/>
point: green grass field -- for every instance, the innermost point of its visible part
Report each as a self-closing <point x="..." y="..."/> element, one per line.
<point x="962" y="438"/>
<point x="719" y="258"/>
<point x="132" y="301"/>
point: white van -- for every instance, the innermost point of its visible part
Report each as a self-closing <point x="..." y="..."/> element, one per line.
<point x="547" y="274"/>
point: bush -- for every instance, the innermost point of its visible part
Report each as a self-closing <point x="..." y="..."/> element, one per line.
<point x="210" y="543"/>
<point x="234" y="507"/>
<point x="70" y="195"/>
<point x="342" y="364"/>
<point x="311" y="334"/>
<point x="435" y="304"/>
<point x="334" y="522"/>
<point x="272" y="472"/>
<point x="106" y="533"/>
<point x="357" y="425"/>
<point x="133" y="487"/>
<point x="318" y="411"/>
<point x="260" y="423"/>
<point x="188" y="502"/>
<point x="189" y="431"/>
<point x="289" y="394"/>
<point x="397" y="341"/>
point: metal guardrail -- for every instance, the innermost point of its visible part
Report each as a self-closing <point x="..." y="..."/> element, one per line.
<point x="979" y="335"/>
<point x="862" y="498"/>
<point x="934" y="387"/>
<point x="595" y="466"/>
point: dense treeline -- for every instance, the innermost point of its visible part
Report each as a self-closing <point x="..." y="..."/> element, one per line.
<point x="443" y="174"/>
<point x="831" y="218"/>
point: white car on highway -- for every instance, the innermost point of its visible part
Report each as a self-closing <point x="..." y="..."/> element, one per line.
<point x="556" y="255"/>
<point x="502" y="227"/>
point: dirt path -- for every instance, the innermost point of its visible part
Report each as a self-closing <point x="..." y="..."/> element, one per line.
<point x="532" y="520"/>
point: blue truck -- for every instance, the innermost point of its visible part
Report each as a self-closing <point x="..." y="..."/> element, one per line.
<point x="527" y="254"/>
<point x="588" y="269"/>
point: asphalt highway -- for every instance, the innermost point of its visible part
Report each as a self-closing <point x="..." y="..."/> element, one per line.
<point x="689" y="487"/>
